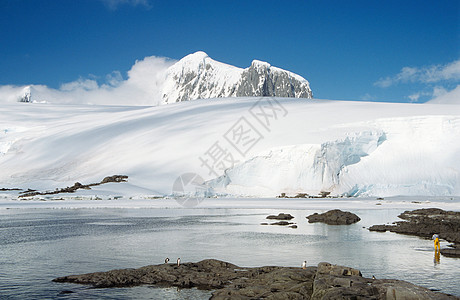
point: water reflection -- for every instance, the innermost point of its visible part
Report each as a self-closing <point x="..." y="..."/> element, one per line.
<point x="38" y="245"/>
<point x="437" y="257"/>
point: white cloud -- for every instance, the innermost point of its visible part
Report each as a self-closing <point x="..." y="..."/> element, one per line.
<point x="431" y="74"/>
<point x="444" y="96"/>
<point x="81" y="83"/>
<point x="114" y="79"/>
<point x="143" y="86"/>
<point x="367" y="97"/>
<point x="414" y="97"/>
<point x="114" y="4"/>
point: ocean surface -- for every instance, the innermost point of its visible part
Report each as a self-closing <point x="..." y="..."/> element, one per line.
<point x="39" y="244"/>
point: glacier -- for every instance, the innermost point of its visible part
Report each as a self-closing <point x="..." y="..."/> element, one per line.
<point x="349" y="148"/>
<point x="406" y="156"/>
<point x="299" y="168"/>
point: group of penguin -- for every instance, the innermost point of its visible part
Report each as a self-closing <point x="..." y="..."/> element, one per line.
<point x="167" y="260"/>
<point x="304" y="264"/>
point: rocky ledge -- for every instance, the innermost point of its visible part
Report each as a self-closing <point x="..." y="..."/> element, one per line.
<point x="281" y="216"/>
<point x="229" y="281"/>
<point x="334" y="217"/>
<point x="426" y="222"/>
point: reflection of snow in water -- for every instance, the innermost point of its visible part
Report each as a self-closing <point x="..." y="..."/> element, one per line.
<point x="110" y="223"/>
<point x="88" y="239"/>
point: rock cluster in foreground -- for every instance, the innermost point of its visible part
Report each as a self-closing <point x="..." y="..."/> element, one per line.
<point x="334" y="217"/>
<point x="229" y="281"/>
<point x="426" y="222"/>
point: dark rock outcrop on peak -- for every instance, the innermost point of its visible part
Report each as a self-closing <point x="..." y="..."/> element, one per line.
<point x="75" y="187"/>
<point x="426" y="222"/>
<point x="229" y="281"/>
<point x="281" y="216"/>
<point x="197" y="76"/>
<point x="9" y="189"/>
<point x="263" y="80"/>
<point x="334" y="217"/>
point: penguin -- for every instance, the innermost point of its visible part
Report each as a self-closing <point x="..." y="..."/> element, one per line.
<point x="373" y="277"/>
<point x="304" y="264"/>
<point x="166" y="260"/>
<point x="178" y="261"/>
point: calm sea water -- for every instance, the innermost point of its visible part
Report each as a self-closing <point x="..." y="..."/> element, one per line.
<point x="38" y="245"/>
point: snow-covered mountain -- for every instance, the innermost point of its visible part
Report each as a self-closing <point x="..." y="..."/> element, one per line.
<point x="240" y="146"/>
<point x="156" y="81"/>
<point x="197" y="76"/>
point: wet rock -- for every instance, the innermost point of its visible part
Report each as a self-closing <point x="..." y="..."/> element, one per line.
<point x="281" y="216"/>
<point x="379" y="228"/>
<point x="334" y="217"/>
<point x="425" y="223"/>
<point x="326" y="281"/>
<point x="282" y="223"/>
<point x="451" y="252"/>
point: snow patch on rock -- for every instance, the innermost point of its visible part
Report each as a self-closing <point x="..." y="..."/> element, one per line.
<point x="197" y="76"/>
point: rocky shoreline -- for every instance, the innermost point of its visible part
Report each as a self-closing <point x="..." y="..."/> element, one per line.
<point x="229" y="281"/>
<point x="426" y="222"/>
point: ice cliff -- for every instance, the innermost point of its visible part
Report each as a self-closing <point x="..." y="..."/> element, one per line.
<point x="402" y="156"/>
<point x="299" y="168"/>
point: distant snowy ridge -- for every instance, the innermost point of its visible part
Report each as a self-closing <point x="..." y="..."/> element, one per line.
<point x="197" y="76"/>
<point x="157" y="80"/>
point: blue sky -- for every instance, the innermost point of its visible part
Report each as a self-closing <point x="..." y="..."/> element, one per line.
<point x="353" y="50"/>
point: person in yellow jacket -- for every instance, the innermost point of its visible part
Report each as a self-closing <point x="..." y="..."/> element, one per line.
<point x="437" y="246"/>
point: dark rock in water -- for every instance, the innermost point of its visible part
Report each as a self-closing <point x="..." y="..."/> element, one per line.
<point x="426" y="222"/>
<point x="379" y="228"/>
<point x="263" y="223"/>
<point x="334" y="217"/>
<point x="282" y="223"/>
<point x="451" y="252"/>
<point x="66" y="292"/>
<point x="232" y="282"/>
<point x="281" y="216"/>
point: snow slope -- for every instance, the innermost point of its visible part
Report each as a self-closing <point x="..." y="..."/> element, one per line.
<point x="265" y="146"/>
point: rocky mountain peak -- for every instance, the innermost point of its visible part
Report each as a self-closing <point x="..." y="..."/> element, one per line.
<point x="197" y="76"/>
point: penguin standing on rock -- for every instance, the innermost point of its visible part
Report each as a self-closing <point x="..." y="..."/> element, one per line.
<point x="178" y="261"/>
<point x="166" y="260"/>
<point x="304" y="264"/>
